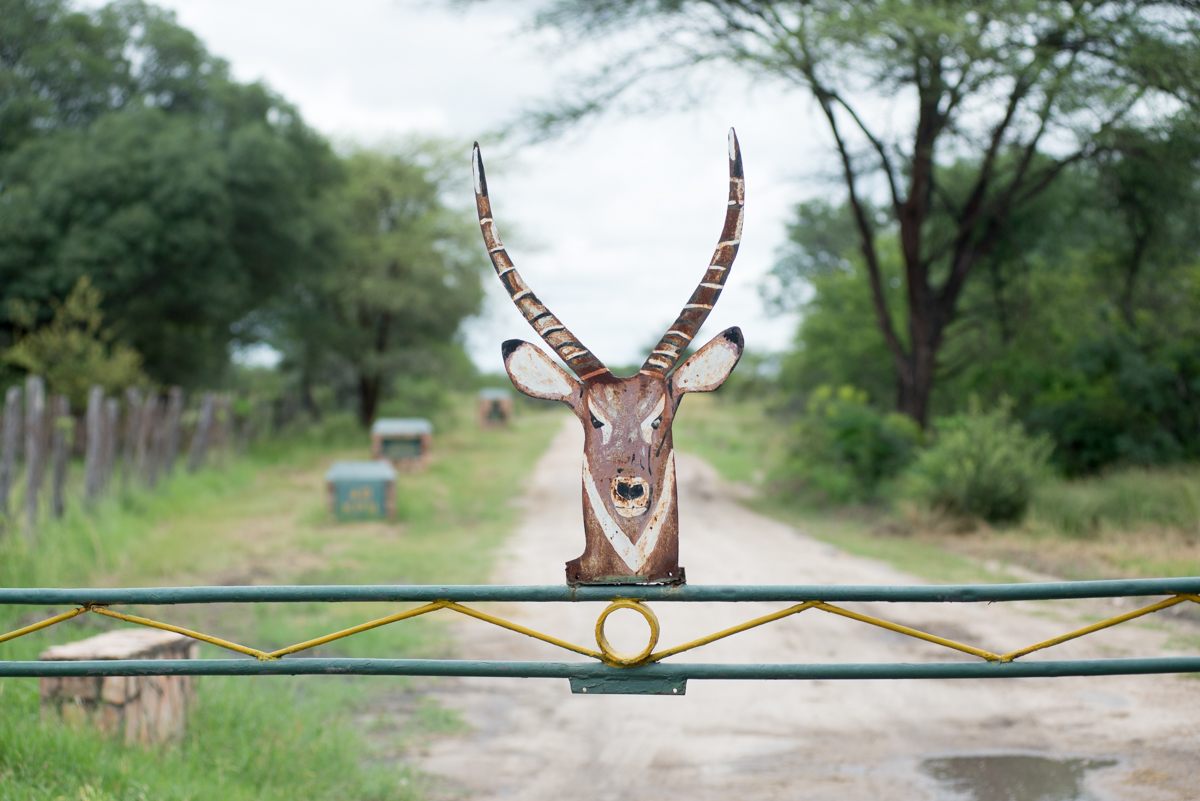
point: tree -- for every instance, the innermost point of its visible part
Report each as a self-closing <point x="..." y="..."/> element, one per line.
<point x="129" y="156"/>
<point x="1149" y="182"/>
<point x="1017" y="90"/>
<point x="408" y="275"/>
<point x="74" y="351"/>
<point x="1084" y="322"/>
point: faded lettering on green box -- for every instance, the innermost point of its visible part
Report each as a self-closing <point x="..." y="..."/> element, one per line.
<point x="359" y="500"/>
<point x="398" y="448"/>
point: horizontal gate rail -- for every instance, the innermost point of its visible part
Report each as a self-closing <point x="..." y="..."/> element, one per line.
<point x="946" y="593"/>
<point x="590" y="670"/>
<point x="647" y="672"/>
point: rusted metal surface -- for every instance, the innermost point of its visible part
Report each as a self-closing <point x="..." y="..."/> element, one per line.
<point x="630" y="503"/>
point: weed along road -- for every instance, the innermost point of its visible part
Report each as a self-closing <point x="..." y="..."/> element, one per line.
<point x="1092" y="739"/>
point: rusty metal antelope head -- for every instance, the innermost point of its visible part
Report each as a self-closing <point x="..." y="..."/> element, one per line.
<point x="630" y="507"/>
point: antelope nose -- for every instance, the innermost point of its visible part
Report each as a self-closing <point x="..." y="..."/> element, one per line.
<point x="630" y="491"/>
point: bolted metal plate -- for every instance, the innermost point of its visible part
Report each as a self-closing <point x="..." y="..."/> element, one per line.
<point x="629" y="686"/>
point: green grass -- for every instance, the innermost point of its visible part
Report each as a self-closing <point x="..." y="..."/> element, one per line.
<point x="744" y="442"/>
<point x="740" y="439"/>
<point x="262" y="521"/>
<point x="861" y="534"/>
<point x="1121" y="500"/>
<point x="1133" y="522"/>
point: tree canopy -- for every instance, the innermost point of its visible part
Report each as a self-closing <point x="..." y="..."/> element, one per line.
<point x="1084" y="314"/>
<point x="74" y="351"/>
<point x="407" y="274"/>
<point x="128" y="155"/>
<point x="1004" y="97"/>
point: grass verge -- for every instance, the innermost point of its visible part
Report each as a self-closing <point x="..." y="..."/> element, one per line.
<point x="1135" y="523"/>
<point x="262" y="521"/>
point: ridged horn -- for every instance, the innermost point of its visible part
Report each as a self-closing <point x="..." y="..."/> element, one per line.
<point x="668" y="350"/>
<point x="550" y="328"/>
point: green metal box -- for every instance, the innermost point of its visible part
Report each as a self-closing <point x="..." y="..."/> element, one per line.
<point x="403" y="441"/>
<point x="361" y="490"/>
<point x="495" y="408"/>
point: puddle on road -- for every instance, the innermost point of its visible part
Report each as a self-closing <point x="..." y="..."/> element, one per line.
<point x="1012" y="777"/>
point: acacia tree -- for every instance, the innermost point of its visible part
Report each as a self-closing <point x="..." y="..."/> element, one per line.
<point x="1017" y="89"/>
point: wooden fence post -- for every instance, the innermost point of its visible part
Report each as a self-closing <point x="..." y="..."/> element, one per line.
<point x="248" y="428"/>
<point x="223" y="428"/>
<point x="147" y="422"/>
<point x="35" y="418"/>
<point x="93" y="460"/>
<point x="112" y="422"/>
<point x="203" y="429"/>
<point x="11" y="444"/>
<point x="133" y="418"/>
<point x="63" y="427"/>
<point x="171" y="429"/>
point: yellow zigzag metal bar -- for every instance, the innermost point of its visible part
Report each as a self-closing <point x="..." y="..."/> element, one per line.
<point x="383" y="621"/>
<point x="1104" y="624"/>
<point x="920" y="635"/>
<point x="1176" y="598"/>
<point x="537" y="635"/>
<point x="232" y="646"/>
<point x="720" y="635"/>
<point x="12" y="635"/>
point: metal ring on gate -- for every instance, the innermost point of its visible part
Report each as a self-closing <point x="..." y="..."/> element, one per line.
<point x="614" y="657"/>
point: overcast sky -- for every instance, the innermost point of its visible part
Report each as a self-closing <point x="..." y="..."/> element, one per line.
<point x="612" y="225"/>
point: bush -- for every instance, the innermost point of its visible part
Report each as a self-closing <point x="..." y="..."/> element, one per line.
<point x="1123" y="404"/>
<point x="981" y="464"/>
<point x="843" y="450"/>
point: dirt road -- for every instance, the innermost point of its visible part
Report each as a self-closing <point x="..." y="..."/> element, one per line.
<point x="532" y="739"/>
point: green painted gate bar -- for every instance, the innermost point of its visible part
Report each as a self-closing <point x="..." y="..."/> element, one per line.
<point x="655" y="678"/>
<point x="947" y="593"/>
<point x="301" y="666"/>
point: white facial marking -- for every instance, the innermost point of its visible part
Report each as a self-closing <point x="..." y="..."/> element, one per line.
<point x="655" y="413"/>
<point x="605" y="426"/>
<point x="633" y="555"/>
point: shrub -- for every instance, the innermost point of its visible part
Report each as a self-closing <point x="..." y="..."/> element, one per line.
<point x="843" y="450"/>
<point x="981" y="464"/>
<point x="73" y="350"/>
<point x="1123" y="404"/>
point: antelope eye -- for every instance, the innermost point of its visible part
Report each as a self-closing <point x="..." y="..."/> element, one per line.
<point x="657" y="422"/>
<point x="595" y="423"/>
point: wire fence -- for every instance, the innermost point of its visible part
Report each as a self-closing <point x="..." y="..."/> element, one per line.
<point x="609" y="671"/>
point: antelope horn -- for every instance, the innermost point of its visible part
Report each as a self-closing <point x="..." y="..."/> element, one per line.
<point x="565" y="344"/>
<point x="668" y="350"/>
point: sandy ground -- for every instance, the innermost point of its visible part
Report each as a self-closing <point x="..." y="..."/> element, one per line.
<point x="532" y="739"/>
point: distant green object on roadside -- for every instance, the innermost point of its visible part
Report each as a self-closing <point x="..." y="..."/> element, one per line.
<point x="495" y="408"/>
<point x="403" y="441"/>
<point x="361" y="490"/>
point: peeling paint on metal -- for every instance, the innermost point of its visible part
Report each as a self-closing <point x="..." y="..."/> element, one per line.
<point x="630" y="508"/>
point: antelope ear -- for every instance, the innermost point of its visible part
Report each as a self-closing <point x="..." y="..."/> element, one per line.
<point x="711" y="365"/>
<point x="536" y="375"/>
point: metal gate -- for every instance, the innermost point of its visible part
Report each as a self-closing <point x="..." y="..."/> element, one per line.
<point x="650" y="672"/>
